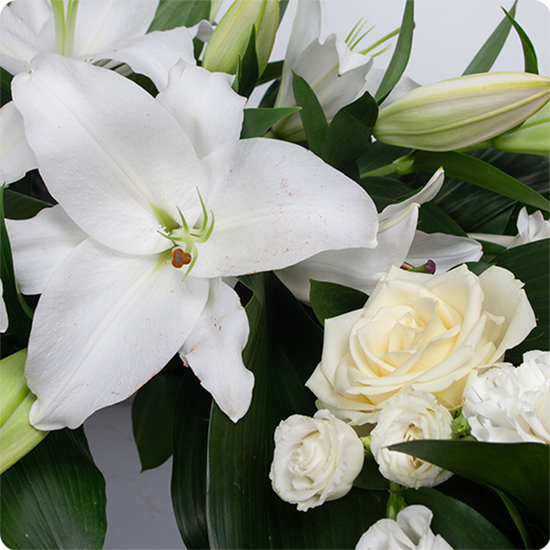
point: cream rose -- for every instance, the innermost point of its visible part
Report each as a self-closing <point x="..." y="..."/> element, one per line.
<point x="408" y="417"/>
<point x="315" y="460"/>
<point x="419" y="331"/>
<point x="512" y="405"/>
<point x="410" y="531"/>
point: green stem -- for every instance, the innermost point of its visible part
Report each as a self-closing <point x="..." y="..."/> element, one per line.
<point x="396" y="503"/>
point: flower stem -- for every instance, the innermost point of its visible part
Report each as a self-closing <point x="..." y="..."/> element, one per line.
<point x="396" y="503"/>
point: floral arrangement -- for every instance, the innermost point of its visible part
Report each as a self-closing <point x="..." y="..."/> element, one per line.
<point x="332" y="308"/>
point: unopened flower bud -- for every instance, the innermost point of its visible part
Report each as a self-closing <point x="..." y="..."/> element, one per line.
<point x="17" y="436"/>
<point x="532" y="137"/>
<point x="230" y="38"/>
<point x="460" y="112"/>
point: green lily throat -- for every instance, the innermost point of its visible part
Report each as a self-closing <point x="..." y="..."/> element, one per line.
<point x="184" y="238"/>
<point x="64" y="26"/>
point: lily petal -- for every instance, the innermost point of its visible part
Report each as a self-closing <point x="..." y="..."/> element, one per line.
<point x="319" y="65"/>
<point x="16" y="157"/>
<point x="426" y="194"/>
<point x="205" y="105"/>
<point x="3" y="311"/>
<point x="100" y="25"/>
<point x="307" y="26"/>
<point x="116" y="320"/>
<point x="359" y="268"/>
<point x="153" y="54"/>
<point x="276" y="204"/>
<point x="20" y="23"/>
<point x="112" y="164"/>
<point x="446" y="251"/>
<point x="214" y="350"/>
<point x="39" y="246"/>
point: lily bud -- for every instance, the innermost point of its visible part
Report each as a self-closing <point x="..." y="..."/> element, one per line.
<point x="532" y="137"/>
<point x="17" y="436"/>
<point x="230" y="38"/>
<point x="460" y="112"/>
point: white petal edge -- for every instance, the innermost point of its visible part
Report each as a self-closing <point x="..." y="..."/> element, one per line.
<point x="153" y="54"/>
<point x="40" y="245"/>
<point x="108" y="152"/>
<point x="100" y="25"/>
<point x="359" y="268"/>
<point x="105" y="324"/>
<point x="3" y="311"/>
<point x="205" y="105"/>
<point x="276" y="204"/>
<point x="16" y="157"/>
<point x="214" y="349"/>
<point x="447" y="251"/>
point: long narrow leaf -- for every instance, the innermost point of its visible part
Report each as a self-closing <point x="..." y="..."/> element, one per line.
<point x="475" y="171"/>
<point x="460" y="525"/>
<point x="531" y="64"/>
<point x="519" y="469"/>
<point x="400" y="56"/>
<point x="180" y="13"/>
<point x="258" y="121"/>
<point x="313" y="118"/>
<point x="54" y="497"/>
<point x="487" y="55"/>
<point x="243" y="510"/>
<point x="192" y="412"/>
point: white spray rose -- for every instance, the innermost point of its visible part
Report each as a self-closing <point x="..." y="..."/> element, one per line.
<point x="408" y="417"/>
<point x="410" y="531"/>
<point x="422" y="332"/>
<point x="511" y="405"/>
<point x="316" y="459"/>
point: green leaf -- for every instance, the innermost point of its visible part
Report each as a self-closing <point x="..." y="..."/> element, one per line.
<point x="477" y="172"/>
<point x="487" y="55"/>
<point x="370" y="477"/>
<point x="433" y="219"/>
<point x="5" y="86"/>
<point x="247" y="70"/>
<point x="529" y="263"/>
<point x="349" y="131"/>
<point x="531" y="65"/>
<point x="313" y="118"/>
<point x="330" y="299"/>
<point x="21" y="207"/>
<point x="272" y="71"/>
<point x="519" y="469"/>
<point x="478" y="210"/>
<point x="258" y="121"/>
<point x="243" y="510"/>
<point x="516" y="517"/>
<point x="152" y="417"/>
<point x="460" y="525"/>
<point x="180" y="13"/>
<point x="268" y="100"/>
<point x="54" y="497"/>
<point x="19" y="312"/>
<point x="378" y="155"/>
<point x="384" y="191"/>
<point x="400" y="56"/>
<point x="191" y="424"/>
<point x="283" y="4"/>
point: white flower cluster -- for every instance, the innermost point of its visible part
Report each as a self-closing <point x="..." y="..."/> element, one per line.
<point x="512" y="404"/>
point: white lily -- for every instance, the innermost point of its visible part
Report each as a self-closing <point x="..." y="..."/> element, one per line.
<point x="160" y="225"/>
<point x="92" y="31"/>
<point x="398" y="242"/>
<point x="3" y="311"/>
<point x="531" y="228"/>
<point x="336" y="74"/>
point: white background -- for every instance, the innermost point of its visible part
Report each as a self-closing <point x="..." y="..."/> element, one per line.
<point x="448" y="34"/>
